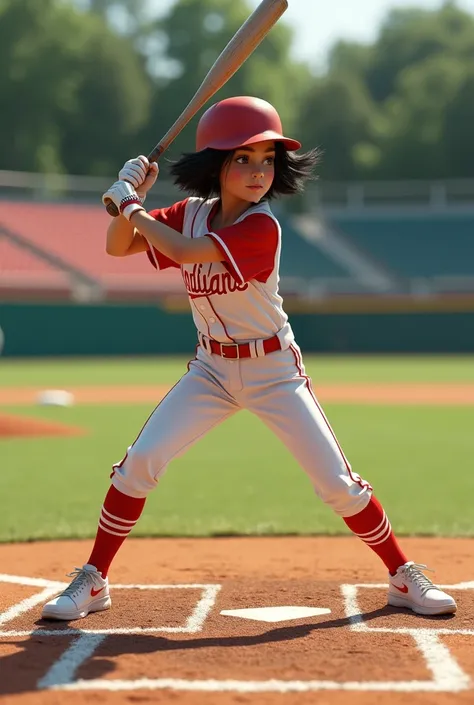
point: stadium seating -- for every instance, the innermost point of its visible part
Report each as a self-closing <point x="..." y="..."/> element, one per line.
<point x="19" y="266"/>
<point x="302" y="258"/>
<point x="67" y="247"/>
<point x="426" y="245"/>
<point x="76" y="235"/>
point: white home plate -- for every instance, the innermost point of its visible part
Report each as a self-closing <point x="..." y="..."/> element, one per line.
<point x="276" y="614"/>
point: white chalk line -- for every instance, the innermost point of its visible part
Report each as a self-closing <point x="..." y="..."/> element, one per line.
<point x="26" y="605"/>
<point x="193" y="623"/>
<point x="449" y="678"/>
<point x="59" y="584"/>
<point x="64" y="670"/>
<point x="351" y="608"/>
<point x="356" y="617"/>
<point x="269" y="686"/>
<point x="74" y="632"/>
<point x="410" y="631"/>
<point x="448" y="675"/>
<point x="196" y="620"/>
<point x="32" y="582"/>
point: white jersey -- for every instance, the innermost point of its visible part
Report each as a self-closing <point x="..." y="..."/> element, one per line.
<point x="236" y="299"/>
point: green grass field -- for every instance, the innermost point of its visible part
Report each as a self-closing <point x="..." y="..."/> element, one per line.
<point x="240" y="478"/>
<point x="148" y="370"/>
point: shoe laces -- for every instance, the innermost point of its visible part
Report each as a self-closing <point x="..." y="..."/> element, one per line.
<point x="414" y="573"/>
<point x="81" y="577"/>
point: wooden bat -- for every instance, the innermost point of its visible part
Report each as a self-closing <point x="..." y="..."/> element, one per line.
<point x="237" y="51"/>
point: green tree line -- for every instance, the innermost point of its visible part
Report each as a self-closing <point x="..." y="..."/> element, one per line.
<point x="87" y="84"/>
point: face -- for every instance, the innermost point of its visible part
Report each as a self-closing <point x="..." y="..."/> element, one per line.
<point x="249" y="173"/>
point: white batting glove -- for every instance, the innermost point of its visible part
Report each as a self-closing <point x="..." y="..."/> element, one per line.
<point x="125" y="198"/>
<point x="140" y="173"/>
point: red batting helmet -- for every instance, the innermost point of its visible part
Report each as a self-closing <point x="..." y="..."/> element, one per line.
<point x="236" y="122"/>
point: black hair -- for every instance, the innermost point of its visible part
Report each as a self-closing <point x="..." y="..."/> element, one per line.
<point x="198" y="173"/>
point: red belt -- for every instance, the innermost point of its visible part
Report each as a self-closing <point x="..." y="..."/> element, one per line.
<point x="237" y="351"/>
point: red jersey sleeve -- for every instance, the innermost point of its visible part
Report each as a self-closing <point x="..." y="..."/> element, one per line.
<point x="249" y="247"/>
<point x="173" y="216"/>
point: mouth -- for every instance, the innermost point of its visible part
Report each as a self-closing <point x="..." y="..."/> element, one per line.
<point x="255" y="187"/>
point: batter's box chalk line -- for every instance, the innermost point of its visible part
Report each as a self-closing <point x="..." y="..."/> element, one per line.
<point x="193" y="623"/>
<point x="447" y="675"/>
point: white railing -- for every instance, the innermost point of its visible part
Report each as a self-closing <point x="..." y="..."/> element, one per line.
<point x="66" y="187"/>
<point x="373" y="194"/>
<point x="318" y="195"/>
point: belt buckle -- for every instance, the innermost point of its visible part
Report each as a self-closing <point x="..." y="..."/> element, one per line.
<point x="229" y="345"/>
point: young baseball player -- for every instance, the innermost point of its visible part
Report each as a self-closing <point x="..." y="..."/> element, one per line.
<point x="226" y="241"/>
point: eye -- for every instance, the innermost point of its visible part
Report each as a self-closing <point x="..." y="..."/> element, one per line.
<point x="243" y="159"/>
<point x="269" y="160"/>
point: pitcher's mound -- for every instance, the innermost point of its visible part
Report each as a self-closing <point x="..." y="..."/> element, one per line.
<point x="11" y="426"/>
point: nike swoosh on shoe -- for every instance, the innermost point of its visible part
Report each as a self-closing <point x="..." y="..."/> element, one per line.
<point x="96" y="592"/>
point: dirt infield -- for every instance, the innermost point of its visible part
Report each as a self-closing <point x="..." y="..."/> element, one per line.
<point x="166" y="641"/>
<point x="13" y="426"/>
<point x="386" y="394"/>
<point x="355" y="393"/>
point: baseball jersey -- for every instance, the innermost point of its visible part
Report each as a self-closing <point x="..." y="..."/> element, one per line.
<point x="237" y="299"/>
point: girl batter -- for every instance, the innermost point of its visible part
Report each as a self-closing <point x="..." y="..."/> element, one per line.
<point x="226" y="241"/>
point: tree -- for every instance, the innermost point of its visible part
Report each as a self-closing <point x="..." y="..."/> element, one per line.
<point x="336" y="117"/>
<point x="113" y="100"/>
<point x="411" y="36"/>
<point x="414" y="145"/>
<point x="71" y="91"/>
<point x="458" y="121"/>
<point x="401" y="108"/>
<point x="350" y="59"/>
<point x="126" y="16"/>
<point x="87" y="83"/>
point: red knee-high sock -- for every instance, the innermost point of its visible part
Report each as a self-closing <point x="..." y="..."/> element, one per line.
<point x="373" y="527"/>
<point x="118" y="516"/>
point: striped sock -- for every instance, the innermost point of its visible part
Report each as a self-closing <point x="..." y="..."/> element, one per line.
<point x="372" y="526"/>
<point x="118" y="516"/>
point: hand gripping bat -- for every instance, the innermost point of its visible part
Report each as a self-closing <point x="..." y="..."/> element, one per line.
<point x="237" y="51"/>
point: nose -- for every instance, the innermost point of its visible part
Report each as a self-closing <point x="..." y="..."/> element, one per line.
<point x="257" y="173"/>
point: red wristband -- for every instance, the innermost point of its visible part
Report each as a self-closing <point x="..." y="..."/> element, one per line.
<point x="129" y="201"/>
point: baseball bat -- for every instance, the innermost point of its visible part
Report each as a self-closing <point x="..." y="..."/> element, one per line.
<point x="237" y="51"/>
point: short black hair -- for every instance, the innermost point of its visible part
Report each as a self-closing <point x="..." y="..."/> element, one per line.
<point x="198" y="173"/>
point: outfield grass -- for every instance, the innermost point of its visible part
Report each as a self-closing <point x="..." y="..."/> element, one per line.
<point x="239" y="479"/>
<point x="148" y="370"/>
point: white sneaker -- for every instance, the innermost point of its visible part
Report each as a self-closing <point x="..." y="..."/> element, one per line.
<point x="88" y="592"/>
<point x="410" y="588"/>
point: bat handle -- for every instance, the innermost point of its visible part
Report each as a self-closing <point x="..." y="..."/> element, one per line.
<point x="156" y="152"/>
<point x="110" y="206"/>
